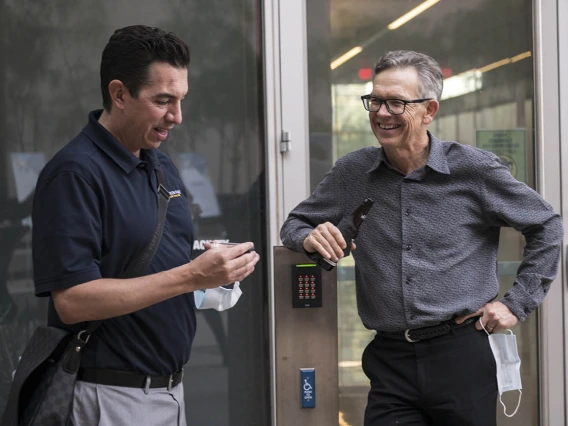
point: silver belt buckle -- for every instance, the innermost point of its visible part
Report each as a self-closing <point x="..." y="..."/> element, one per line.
<point x="171" y="380"/>
<point x="407" y="336"/>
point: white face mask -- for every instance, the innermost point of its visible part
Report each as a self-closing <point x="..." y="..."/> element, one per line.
<point x="504" y="348"/>
<point x="219" y="298"/>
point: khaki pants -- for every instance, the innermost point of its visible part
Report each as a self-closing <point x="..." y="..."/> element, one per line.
<point x="100" y="405"/>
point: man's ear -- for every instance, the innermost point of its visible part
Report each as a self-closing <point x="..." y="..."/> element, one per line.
<point x="431" y="111"/>
<point x="117" y="91"/>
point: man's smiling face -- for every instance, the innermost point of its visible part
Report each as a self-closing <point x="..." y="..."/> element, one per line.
<point x="407" y="128"/>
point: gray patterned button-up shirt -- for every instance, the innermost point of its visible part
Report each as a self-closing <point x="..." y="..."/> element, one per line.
<point x="428" y="249"/>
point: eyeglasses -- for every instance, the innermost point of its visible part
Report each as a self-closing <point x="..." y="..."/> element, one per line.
<point x="394" y="106"/>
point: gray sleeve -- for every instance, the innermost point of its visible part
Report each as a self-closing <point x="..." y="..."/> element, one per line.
<point x="508" y="202"/>
<point x="326" y="204"/>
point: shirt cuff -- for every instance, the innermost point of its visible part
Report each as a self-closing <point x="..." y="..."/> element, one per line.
<point x="519" y="302"/>
<point x="299" y="240"/>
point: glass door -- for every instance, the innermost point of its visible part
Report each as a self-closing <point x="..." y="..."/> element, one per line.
<point x="49" y="83"/>
<point x="485" y="50"/>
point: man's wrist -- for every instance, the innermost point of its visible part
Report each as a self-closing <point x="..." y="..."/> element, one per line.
<point x="520" y="312"/>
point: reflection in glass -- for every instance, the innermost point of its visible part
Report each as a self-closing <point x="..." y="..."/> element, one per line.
<point x="484" y="48"/>
<point x="49" y="83"/>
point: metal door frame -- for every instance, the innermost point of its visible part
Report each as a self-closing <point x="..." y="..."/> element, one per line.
<point x="551" y="110"/>
<point x="286" y="82"/>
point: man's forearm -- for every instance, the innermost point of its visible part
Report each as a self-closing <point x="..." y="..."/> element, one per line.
<point x="110" y="297"/>
<point x="294" y="232"/>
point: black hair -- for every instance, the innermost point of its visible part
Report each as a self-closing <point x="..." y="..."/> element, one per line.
<point x="131" y="50"/>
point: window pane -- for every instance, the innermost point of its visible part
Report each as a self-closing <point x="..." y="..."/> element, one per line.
<point x="50" y="81"/>
<point x="488" y="103"/>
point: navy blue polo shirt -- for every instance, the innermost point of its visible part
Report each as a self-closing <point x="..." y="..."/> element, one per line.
<point x="95" y="207"/>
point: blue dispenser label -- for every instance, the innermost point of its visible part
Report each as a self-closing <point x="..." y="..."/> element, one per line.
<point x="308" y="387"/>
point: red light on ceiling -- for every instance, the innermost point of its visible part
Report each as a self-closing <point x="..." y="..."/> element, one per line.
<point x="447" y="72"/>
<point x="365" y="73"/>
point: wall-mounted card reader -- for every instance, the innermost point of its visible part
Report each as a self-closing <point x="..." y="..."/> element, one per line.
<point x="306" y="286"/>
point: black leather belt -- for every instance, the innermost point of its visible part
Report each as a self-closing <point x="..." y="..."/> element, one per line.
<point x="129" y="379"/>
<point x="424" y="333"/>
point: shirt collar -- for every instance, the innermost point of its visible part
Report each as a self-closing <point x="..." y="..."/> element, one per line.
<point x="437" y="159"/>
<point x="113" y="148"/>
<point x="379" y="160"/>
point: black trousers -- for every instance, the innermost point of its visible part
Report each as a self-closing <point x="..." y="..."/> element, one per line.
<point x="445" y="381"/>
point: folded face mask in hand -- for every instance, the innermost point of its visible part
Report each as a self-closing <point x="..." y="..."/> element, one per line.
<point x="219" y="298"/>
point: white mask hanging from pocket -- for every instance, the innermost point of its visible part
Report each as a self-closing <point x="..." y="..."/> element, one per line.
<point x="504" y="348"/>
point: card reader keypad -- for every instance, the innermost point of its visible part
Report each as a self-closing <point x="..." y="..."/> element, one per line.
<point x="306" y="286"/>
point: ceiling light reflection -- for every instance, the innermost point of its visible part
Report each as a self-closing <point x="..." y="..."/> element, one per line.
<point x="505" y="61"/>
<point x="392" y="26"/>
<point x="521" y="56"/>
<point x="346" y="56"/>
<point x="412" y="14"/>
<point x="472" y="80"/>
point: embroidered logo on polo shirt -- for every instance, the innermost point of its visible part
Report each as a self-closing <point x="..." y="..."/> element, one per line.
<point x="176" y="193"/>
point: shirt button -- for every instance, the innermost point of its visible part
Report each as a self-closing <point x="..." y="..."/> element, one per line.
<point x="409" y="281"/>
<point x="407" y="212"/>
<point x="408" y="247"/>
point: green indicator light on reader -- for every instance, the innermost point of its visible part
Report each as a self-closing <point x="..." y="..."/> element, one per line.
<point x="306" y="265"/>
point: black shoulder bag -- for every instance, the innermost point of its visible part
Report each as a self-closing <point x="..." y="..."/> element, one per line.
<point x="42" y="390"/>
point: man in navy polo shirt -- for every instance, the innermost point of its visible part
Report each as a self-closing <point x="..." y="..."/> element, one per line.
<point x="96" y="207"/>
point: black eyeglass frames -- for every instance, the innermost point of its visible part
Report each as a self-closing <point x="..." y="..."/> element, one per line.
<point x="394" y="106"/>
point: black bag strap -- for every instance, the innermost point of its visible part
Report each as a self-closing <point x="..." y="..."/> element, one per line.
<point x="143" y="258"/>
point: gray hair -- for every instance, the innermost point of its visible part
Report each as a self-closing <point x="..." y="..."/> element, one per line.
<point x="429" y="72"/>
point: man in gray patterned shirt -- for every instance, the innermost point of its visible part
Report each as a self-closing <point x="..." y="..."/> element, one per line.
<point x="426" y="256"/>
